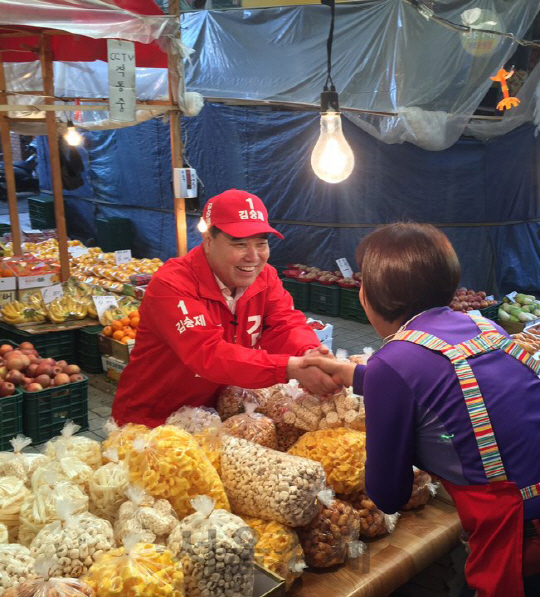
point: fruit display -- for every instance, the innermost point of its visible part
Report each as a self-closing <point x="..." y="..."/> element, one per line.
<point x="524" y="309"/>
<point x="17" y="312"/>
<point x="468" y="300"/>
<point x="123" y="329"/>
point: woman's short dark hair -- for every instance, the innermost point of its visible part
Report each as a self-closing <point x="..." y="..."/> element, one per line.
<point x="407" y="268"/>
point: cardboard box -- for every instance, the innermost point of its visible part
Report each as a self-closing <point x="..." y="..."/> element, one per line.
<point x="6" y="296"/>
<point x="113" y="367"/>
<point x="324" y="335"/>
<point x="115" y="349"/>
<point x="40" y="281"/>
<point x="8" y="283"/>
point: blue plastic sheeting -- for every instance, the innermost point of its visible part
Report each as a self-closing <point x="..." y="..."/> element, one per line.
<point x="484" y="196"/>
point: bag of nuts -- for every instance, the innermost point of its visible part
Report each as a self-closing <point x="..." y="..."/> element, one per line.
<point x="74" y="541"/>
<point x="232" y="400"/>
<point x="332" y="536"/>
<point x="13" y="492"/>
<point x="194" y="419"/>
<point x="277" y="549"/>
<point x="150" y="519"/>
<point x="168" y="463"/>
<point x="107" y="487"/>
<point x="85" y="449"/>
<point x="16" y="566"/>
<point x="137" y="570"/>
<point x="45" y="586"/>
<point x="121" y="438"/>
<point x="17" y="464"/>
<point x="342" y="452"/>
<point x="373" y="521"/>
<point x="215" y="548"/>
<point x="269" y="484"/>
<point x="252" y="426"/>
<point x="423" y="489"/>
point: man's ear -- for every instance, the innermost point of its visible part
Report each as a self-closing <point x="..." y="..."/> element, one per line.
<point x="207" y="241"/>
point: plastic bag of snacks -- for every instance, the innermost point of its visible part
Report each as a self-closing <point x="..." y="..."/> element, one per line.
<point x="342" y="452"/>
<point x="423" y="489"/>
<point x="215" y="549"/>
<point x="232" y="400"/>
<point x="150" y="519"/>
<point x="121" y="438"/>
<point x="16" y="566"/>
<point x="168" y="463"/>
<point x="39" y="508"/>
<point x="277" y="549"/>
<point x="4" y="537"/>
<point x="13" y="492"/>
<point x="362" y="359"/>
<point x="194" y="419"/>
<point x="17" y="464"/>
<point x="332" y="536"/>
<point x="66" y="466"/>
<point x="268" y="484"/>
<point x="74" y="541"/>
<point x="85" y="449"/>
<point x="44" y="586"/>
<point x="252" y="426"/>
<point x="209" y="441"/>
<point x="107" y="487"/>
<point x="137" y="570"/>
<point x="373" y="522"/>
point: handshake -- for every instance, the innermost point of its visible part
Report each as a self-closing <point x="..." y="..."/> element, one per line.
<point x="319" y="372"/>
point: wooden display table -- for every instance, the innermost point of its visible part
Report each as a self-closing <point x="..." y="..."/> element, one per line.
<point x="420" y="538"/>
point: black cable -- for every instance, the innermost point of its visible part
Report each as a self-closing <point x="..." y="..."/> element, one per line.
<point x="329" y="43"/>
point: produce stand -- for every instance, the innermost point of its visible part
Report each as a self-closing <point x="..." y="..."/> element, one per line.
<point x="421" y="537"/>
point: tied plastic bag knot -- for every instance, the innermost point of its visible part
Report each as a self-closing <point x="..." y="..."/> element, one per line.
<point x="112" y="455"/>
<point x="296" y="566"/>
<point x="250" y="408"/>
<point x="130" y="541"/>
<point x="341" y="354"/>
<point x="326" y="497"/>
<point x="190" y="102"/>
<point x="356" y="549"/>
<point x="204" y="504"/>
<point x="139" y="444"/>
<point x="43" y="566"/>
<point x="19" y="443"/>
<point x="70" y="428"/>
<point x="391" y="521"/>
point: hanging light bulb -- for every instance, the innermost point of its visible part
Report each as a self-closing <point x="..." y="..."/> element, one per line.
<point x="332" y="158"/>
<point x="72" y="135"/>
<point x="202" y="226"/>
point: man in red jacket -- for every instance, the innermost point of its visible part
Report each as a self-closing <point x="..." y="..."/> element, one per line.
<point x="217" y="316"/>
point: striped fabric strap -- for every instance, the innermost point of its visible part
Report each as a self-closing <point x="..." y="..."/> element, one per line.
<point x="481" y="424"/>
<point x="531" y="491"/>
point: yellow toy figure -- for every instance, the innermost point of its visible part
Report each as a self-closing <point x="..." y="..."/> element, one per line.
<point x="507" y="101"/>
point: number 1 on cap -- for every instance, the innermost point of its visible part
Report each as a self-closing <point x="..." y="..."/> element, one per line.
<point x="250" y="201"/>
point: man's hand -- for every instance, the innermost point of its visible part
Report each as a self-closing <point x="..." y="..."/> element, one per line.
<point x="341" y="372"/>
<point x="314" y="379"/>
<point x="321" y="350"/>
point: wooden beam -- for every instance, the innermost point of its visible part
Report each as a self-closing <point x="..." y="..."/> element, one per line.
<point x="9" y="173"/>
<point x="71" y="108"/>
<point x="45" y="55"/>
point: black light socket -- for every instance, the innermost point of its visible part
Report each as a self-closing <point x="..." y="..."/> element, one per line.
<point x="329" y="101"/>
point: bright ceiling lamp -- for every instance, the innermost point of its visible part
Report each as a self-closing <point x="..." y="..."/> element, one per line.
<point x="332" y="158"/>
<point x="72" y="135"/>
<point x="202" y="226"/>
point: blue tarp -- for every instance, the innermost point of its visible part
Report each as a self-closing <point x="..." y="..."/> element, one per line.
<point x="485" y="196"/>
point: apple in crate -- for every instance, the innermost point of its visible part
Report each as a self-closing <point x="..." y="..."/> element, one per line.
<point x="6" y="389"/>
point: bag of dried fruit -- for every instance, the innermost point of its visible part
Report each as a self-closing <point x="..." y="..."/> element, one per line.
<point x="423" y="489"/>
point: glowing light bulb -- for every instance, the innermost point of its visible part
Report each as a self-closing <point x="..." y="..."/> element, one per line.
<point x="332" y="158"/>
<point x="73" y="137"/>
<point x="202" y="226"/>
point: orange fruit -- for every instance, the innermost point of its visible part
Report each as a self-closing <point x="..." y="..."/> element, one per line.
<point x="132" y="334"/>
<point x="133" y="314"/>
<point x="118" y="335"/>
<point x="117" y="325"/>
<point x="127" y="329"/>
<point x="124" y="321"/>
<point x="107" y="330"/>
<point x="125" y="339"/>
<point x="135" y="322"/>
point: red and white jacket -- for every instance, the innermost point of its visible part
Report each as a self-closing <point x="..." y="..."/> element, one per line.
<point x="189" y="344"/>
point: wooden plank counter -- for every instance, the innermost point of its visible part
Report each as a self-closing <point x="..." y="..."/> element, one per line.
<point x="420" y="538"/>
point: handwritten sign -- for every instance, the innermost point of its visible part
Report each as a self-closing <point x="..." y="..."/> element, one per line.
<point x="122" y="93"/>
<point x="123" y="256"/>
<point x="344" y="267"/>
<point x="52" y="293"/>
<point x="102" y="303"/>
<point x="511" y="296"/>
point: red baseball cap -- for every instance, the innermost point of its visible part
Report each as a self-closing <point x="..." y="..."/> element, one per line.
<point x="238" y="213"/>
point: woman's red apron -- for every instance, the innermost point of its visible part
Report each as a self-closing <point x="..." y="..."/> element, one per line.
<point x="491" y="514"/>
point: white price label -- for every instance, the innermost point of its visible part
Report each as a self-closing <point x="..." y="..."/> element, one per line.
<point x="532" y="324"/>
<point x="344" y="267"/>
<point x="122" y="256"/>
<point x="51" y="293"/>
<point x="77" y="251"/>
<point x="102" y="303"/>
<point x="490" y="298"/>
<point x="511" y="296"/>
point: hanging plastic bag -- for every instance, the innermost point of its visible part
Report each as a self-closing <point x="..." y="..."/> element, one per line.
<point x="194" y="419"/>
<point x="13" y="493"/>
<point x="16" y="566"/>
<point x="215" y="549"/>
<point x="168" y="463"/>
<point x="121" y="438"/>
<point x="17" y="464"/>
<point x="252" y="426"/>
<point x="137" y="570"/>
<point x="423" y="489"/>
<point x="269" y="484"/>
<point x="150" y="519"/>
<point x="342" y="453"/>
<point x="107" y="487"/>
<point x="85" y="449"/>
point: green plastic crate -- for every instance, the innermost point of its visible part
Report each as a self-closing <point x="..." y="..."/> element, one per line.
<point x="11" y="418"/>
<point x="41" y="211"/>
<point x="88" y="353"/>
<point x="350" y="307"/>
<point x="324" y="299"/>
<point x="300" y="292"/>
<point x="89" y="362"/>
<point x="491" y="312"/>
<point x="56" y="345"/>
<point x="45" y="412"/>
<point x="114" y="234"/>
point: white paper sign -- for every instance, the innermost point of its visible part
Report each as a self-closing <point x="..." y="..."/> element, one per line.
<point x="77" y="251"/>
<point x="123" y="256"/>
<point x="185" y="183"/>
<point x="490" y="298"/>
<point x="51" y="293"/>
<point x="102" y="303"/>
<point x="532" y="324"/>
<point x="122" y="94"/>
<point x="344" y="267"/>
<point x="511" y="296"/>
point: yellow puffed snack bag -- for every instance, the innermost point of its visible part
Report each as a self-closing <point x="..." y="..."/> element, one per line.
<point x="120" y="438"/>
<point x="342" y="453"/>
<point x="209" y="441"/>
<point x="137" y="570"/>
<point x="168" y="463"/>
<point x="277" y="549"/>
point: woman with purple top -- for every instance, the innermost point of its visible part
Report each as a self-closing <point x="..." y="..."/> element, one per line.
<point x="452" y="394"/>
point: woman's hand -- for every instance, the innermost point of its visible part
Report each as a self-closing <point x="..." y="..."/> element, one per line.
<point x="341" y="372"/>
<point x="313" y="378"/>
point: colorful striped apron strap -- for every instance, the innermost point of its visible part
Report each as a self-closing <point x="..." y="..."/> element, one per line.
<point x="531" y="491"/>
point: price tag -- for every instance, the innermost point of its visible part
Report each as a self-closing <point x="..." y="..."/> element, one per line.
<point x="532" y="324"/>
<point x="122" y="256"/>
<point x="51" y="293"/>
<point x="102" y="303"/>
<point x="490" y="298"/>
<point x="344" y="267"/>
<point x="77" y="251"/>
<point x="511" y="296"/>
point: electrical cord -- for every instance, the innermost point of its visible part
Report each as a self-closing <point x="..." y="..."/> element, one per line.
<point x="329" y="83"/>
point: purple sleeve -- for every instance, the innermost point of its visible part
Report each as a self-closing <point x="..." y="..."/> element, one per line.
<point x="390" y="436"/>
<point x="358" y="379"/>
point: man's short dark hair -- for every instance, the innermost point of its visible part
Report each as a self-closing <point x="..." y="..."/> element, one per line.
<point x="214" y="231"/>
<point x="407" y="268"/>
